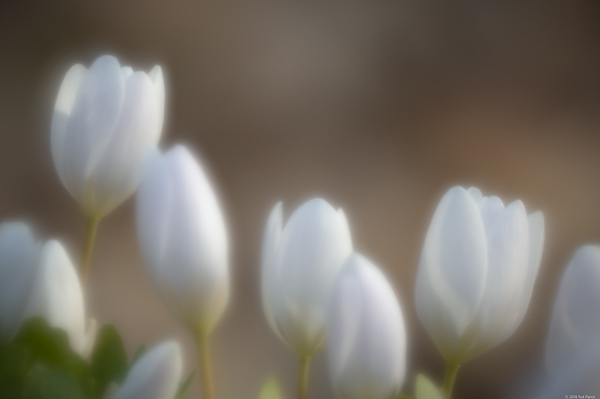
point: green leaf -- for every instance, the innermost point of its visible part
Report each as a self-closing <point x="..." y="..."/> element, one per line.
<point x="14" y="360"/>
<point x="109" y="360"/>
<point x="185" y="386"/>
<point x="270" y="390"/>
<point x="48" y="383"/>
<point x="403" y="397"/>
<point x="425" y="389"/>
<point x="50" y="346"/>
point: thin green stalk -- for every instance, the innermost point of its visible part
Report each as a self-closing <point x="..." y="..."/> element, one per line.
<point x="449" y="378"/>
<point x="88" y="248"/>
<point x="303" y="380"/>
<point x="208" y="390"/>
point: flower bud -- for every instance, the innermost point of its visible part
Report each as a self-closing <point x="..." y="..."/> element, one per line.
<point x="575" y="326"/>
<point x="183" y="238"/>
<point x="155" y="375"/>
<point x="299" y="266"/>
<point x="478" y="266"/>
<point x="105" y="121"/>
<point x="18" y="267"/>
<point x="58" y="298"/>
<point x="366" y="337"/>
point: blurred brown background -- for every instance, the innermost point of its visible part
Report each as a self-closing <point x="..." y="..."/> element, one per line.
<point x="377" y="107"/>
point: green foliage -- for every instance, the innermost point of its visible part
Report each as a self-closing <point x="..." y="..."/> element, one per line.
<point x="270" y="390"/>
<point x="49" y="346"/>
<point x="109" y="360"/>
<point x="425" y="389"/>
<point x="48" y="383"/>
<point x="40" y="364"/>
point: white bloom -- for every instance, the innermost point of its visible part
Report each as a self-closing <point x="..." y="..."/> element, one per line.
<point x="18" y="267"/>
<point x="578" y="374"/>
<point x="155" y="375"/>
<point x="575" y="326"/>
<point x="183" y="238"/>
<point x="366" y="337"/>
<point x="105" y="121"/>
<point x="299" y="266"/>
<point x="478" y="267"/>
<point x="58" y="298"/>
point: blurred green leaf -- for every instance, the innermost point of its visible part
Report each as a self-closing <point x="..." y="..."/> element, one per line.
<point x="425" y="389"/>
<point x="184" y="388"/>
<point x="109" y="360"/>
<point x="270" y="390"/>
<point x="50" y="346"/>
<point x="14" y="360"/>
<point x="404" y="397"/>
<point x="48" y="383"/>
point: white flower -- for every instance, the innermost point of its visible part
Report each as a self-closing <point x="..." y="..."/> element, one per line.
<point x="183" y="238"/>
<point x="58" y="298"/>
<point x="18" y="267"/>
<point x="366" y="337"/>
<point x="299" y="266"/>
<point x="578" y="374"/>
<point x="42" y="282"/>
<point x="105" y="121"/>
<point x="477" y="271"/>
<point x="575" y="326"/>
<point x="155" y="375"/>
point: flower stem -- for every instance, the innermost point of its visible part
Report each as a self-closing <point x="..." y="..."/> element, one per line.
<point x="88" y="248"/>
<point x="449" y="378"/>
<point x="208" y="390"/>
<point x="303" y="378"/>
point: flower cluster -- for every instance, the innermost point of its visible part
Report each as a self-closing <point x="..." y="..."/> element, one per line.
<point x="475" y="279"/>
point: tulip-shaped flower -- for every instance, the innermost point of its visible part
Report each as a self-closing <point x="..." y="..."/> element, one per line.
<point x="575" y="326"/>
<point x="58" y="298"/>
<point x="155" y="375"/>
<point x="572" y="355"/>
<point x="476" y="275"/>
<point x="105" y="121"/>
<point x="184" y="244"/>
<point x="18" y="267"/>
<point x="366" y="337"/>
<point x="40" y="282"/>
<point x="299" y="266"/>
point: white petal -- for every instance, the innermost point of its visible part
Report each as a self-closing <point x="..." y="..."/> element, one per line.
<point x="155" y="375"/>
<point x="62" y="111"/>
<point x="314" y="244"/>
<point x="57" y="295"/>
<point x="18" y="268"/>
<point x="475" y="193"/>
<point x="575" y="325"/>
<point x="156" y="75"/>
<point x="95" y="115"/>
<point x="490" y="208"/>
<point x="366" y="334"/>
<point x="190" y="264"/>
<point x="579" y="374"/>
<point x="126" y="71"/>
<point x="452" y="272"/>
<point x="536" y="247"/>
<point x="117" y="173"/>
<point x="268" y="282"/>
<point x="153" y="210"/>
<point x="507" y="235"/>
